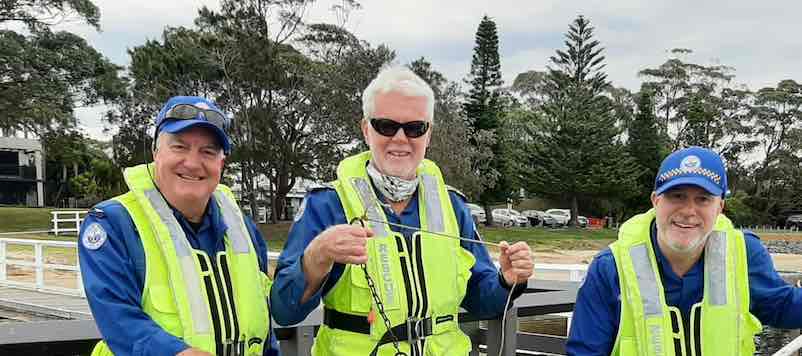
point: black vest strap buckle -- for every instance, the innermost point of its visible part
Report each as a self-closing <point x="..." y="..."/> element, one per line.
<point x="416" y="329"/>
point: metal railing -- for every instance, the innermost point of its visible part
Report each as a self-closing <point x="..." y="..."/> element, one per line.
<point x="541" y="297"/>
<point x="39" y="266"/>
<point x="73" y="218"/>
<point x="791" y="348"/>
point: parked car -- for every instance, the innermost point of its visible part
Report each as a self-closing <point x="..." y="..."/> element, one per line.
<point x="509" y="217"/>
<point x="582" y="221"/>
<point x="502" y="217"/>
<point x="535" y="216"/>
<point x="563" y="216"/>
<point x="540" y="218"/>
<point x="477" y="213"/>
<point x="794" y="221"/>
<point x="520" y="220"/>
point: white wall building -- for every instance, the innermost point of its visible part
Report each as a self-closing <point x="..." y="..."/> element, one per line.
<point x="21" y="169"/>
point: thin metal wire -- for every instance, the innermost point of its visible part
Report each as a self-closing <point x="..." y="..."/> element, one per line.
<point x="365" y="218"/>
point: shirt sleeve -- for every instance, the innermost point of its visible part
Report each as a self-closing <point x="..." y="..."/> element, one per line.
<point x="486" y="294"/>
<point x="773" y="301"/>
<point x="322" y="209"/>
<point x="113" y="288"/>
<point x="594" y="325"/>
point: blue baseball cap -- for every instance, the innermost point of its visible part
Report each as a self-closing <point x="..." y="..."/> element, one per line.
<point x="692" y="166"/>
<point x="183" y="112"/>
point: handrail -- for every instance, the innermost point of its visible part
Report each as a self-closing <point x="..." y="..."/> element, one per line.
<point x="790" y="348"/>
<point x="38" y="265"/>
<point x="75" y="217"/>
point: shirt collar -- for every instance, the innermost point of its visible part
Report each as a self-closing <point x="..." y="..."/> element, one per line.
<point x="212" y="218"/>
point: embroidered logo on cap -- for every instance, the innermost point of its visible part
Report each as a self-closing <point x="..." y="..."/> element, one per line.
<point x="690" y="162"/>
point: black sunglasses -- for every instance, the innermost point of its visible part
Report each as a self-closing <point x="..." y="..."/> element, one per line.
<point x="189" y="112"/>
<point x="387" y="127"/>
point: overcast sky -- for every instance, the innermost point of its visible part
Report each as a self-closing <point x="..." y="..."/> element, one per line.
<point x="761" y="39"/>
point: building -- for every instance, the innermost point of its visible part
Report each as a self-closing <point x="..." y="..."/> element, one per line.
<point x="292" y="203"/>
<point x="21" y="169"/>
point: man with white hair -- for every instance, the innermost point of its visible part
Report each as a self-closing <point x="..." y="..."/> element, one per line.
<point x="390" y="282"/>
<point x="172" y="266"/>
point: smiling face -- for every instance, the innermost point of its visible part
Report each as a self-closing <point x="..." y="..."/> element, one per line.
<point x="397" y="156"/>
<point x="685" y="216"/>
<point x="188" y="167"/>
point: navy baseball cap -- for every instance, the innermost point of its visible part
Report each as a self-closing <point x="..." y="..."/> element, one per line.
<point x="692" y="166"/>
<point x="183" y="112"/>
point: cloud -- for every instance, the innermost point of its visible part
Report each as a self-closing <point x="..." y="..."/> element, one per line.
<point x="759" y="38"/>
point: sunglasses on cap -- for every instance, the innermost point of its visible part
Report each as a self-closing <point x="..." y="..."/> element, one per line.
<point x="190" y="112"/>
<point x="389" y="128"/>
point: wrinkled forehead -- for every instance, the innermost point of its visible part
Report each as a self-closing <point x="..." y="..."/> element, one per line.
<point x="196" y="135"/>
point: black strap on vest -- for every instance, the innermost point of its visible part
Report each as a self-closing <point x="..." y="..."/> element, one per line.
<point x="359" y="324"/>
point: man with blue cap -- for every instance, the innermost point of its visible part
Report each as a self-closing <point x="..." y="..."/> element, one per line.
<point x="680" y="279"/>
<point x="172" y="267"/>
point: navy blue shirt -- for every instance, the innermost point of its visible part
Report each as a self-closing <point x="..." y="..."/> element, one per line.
<point x="113" y="273"/>
<point x="484" y="298"/>
<point x="594" y="326"/>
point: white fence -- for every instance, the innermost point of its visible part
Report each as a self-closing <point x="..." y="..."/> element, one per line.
<point x="72" y="218"/>
<point x="39" y="265"/>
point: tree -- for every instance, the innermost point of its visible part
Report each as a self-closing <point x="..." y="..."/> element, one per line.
<point x="451" y="133"/>
<point x="777" y="112"/>
<point x="482" y="109"/>
<point x="41" y="14"/>
<point x="576" y="152"/>
<point x="646" y="146"/>
<point x="46" y="75"/>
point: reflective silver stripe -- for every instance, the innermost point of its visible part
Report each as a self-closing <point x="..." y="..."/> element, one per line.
<point x="716" y="268"/>
<point x="431" y="199"/>
<point x="647" y="282"/>
<point x="197" y="304"/>
<point x="235" y="232"/>
<point x="369" y="201"/>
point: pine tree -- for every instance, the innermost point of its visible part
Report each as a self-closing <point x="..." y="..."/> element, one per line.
<point x="484" y="78"/>
<point x="646" y="146"/>
<point x="577" y="152"/>
<point x="483" y="109"/>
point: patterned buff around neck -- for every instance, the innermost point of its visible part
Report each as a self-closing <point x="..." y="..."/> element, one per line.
<point x="395" y="189"/>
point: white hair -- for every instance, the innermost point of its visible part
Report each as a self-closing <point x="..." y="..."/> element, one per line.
<point x="397" y="79"/>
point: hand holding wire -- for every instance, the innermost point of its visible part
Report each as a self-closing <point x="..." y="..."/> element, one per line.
<point x="515" y="261"/>
<point x="346" y="244"/>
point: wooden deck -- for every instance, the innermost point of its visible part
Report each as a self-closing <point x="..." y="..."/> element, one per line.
<point x="44" y="304"/>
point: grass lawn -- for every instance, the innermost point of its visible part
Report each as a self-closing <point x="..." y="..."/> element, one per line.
<point x="538" y="238"/>
<point x="25" y="219"/>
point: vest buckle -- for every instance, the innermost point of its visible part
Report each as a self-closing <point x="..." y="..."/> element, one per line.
<point x="418" y="329"/>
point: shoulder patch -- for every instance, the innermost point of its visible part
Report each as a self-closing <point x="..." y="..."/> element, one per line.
<point x="94" y="236"/>
<point x="455" y="190"/>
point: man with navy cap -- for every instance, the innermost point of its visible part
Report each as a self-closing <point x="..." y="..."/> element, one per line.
<point x="172" y="267"/>
<point x="680" y="279"/>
